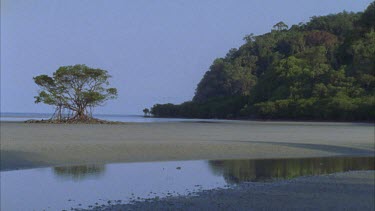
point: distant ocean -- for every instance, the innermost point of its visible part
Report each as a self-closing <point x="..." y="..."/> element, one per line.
<point x="20" y="117"/>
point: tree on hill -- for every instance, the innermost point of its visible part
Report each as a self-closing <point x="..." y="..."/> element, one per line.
<point x="280" y="26"/>
<point x="75" y="90"/>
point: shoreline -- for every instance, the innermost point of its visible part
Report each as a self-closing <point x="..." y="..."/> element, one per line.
<point x="30" y="146"/>
<point x="273" y="120"/>
<point x="195" y="120"/>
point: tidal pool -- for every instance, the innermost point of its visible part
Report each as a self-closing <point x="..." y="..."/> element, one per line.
<point x="86" y="186"/>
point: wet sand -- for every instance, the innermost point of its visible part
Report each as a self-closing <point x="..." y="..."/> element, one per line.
<point x="339" y="191"/>
<point x="40" y="145"/>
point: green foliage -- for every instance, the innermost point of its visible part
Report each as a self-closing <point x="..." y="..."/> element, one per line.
<point x="280" y="26"/>
<point x="224" y="107"/>
<point x="341" y="24"/>
<point x="146" y="111"/>
<point x="367" y="20"/>
<point x="363" y="53"/>
<point x="225" y="79"/>
<point x="323" y="70"/>
<point x="75" y="88"/>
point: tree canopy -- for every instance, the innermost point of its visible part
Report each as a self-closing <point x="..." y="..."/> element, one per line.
<point x="74" y="91"/>
<point x="323" y="69"/>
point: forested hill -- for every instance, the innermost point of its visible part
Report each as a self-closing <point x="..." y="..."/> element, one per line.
<point x="320" y="70"/>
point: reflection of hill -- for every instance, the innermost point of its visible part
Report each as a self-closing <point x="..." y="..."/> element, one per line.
<point x="235" y="171"/>
<point x="79" y="172"/>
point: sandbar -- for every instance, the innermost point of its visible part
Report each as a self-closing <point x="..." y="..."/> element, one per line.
<point x="28" y="145"/>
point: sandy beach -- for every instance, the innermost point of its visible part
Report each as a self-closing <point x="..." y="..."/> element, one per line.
<point x="41" y="145"/>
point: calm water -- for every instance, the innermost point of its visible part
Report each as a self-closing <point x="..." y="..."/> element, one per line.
<point x="94" y="185"/>
<point x="19" y="117"/>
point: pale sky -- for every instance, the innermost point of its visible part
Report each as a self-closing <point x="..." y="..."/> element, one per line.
<point x="156" y="51"/>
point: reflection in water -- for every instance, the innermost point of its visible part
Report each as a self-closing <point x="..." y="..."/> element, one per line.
<point x="61" y="188"/>
<point x="79" y="172"/>
<point x="235" y="171"/>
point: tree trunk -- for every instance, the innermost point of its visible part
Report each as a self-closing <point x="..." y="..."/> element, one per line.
<point x="81" y="114"/>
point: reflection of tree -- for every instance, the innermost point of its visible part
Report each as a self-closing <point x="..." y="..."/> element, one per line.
<point x="235" y="171"/>
<point x="79" y="172"/>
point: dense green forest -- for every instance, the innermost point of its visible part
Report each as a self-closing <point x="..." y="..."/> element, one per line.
<point x="320" y="70"/>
